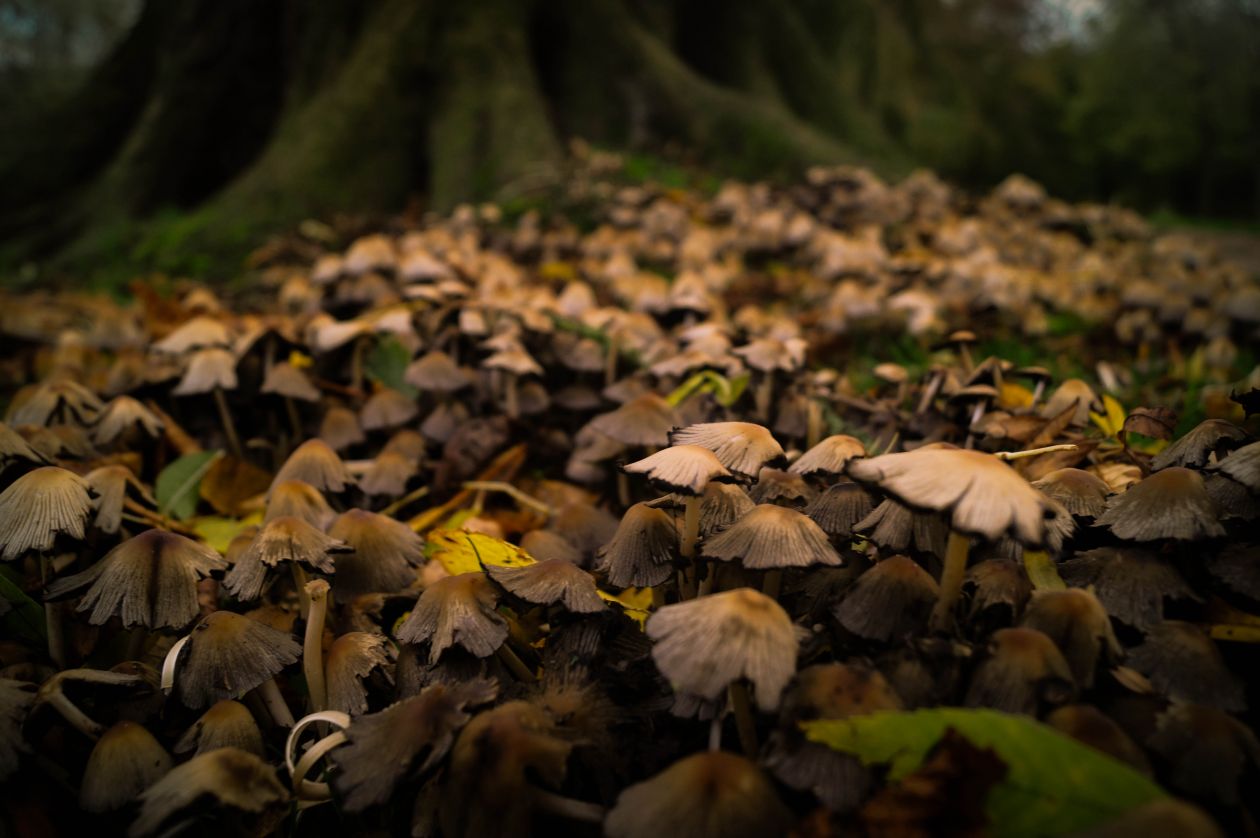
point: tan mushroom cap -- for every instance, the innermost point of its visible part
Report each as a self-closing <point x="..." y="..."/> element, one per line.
<point x="1022" y="670"/>
<point x="149" y="580"/>
<point x="742" y="447"/>
<point x="1242" y="466"/>
<point x="385" y="749"/>
<point x="125" y="761"/>
<point x="457" y="610"/>
<point x="1080" y="492"/>
<point x="315" y="463"/>
<point x="110" y="484"/>
<point x="122" y="414"/>
<point x="208" y="369"/>
<point x="352" y="658"/>
<point x="227" y="655"/>
<point x="704" y="645"/>
<point x="283" y="539"/>
<point x="645" y="420"/>
<point x="301" y="500"/>
<point x="706" y="795"/>
<point x="286" y="380"/>
<point x="642" y="550"/>
<point x="198" y="333"/>
<point x="839" y="509"/>
<point x="772" y="537"/>
<point x="234" y="779"/>
<point x="227" y="724"/>
<point x="39" y="506"/>
<point x="387" y="408"/>
<point x="340" y="428"/>
<point x="386" y="551"/>
<point x="1172" y="503"/>
<point x="436" y="372"/>
<point x="889" y="601"/>
<point x="388" y="474"/>
<point x="553" y="582"/>
<point x="979" y="493"/>
<point x="683" y="468"/>
<point x="829" y="456"/>
<point x="1078" y="624"/>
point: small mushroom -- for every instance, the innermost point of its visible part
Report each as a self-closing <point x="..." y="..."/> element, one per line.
<point x="1022" y="672"/>
<point x="1169" y="504"/>
<point x="227" y="724"/>
<point x="248" y="797"/>
<point x="889" y="601"/>
<point x="386" y="553"/>
<point x="317" y="465"/>
<point x="1078" y="624"/>
<point x="457" y="610"/>
<point x="125" y="761"/>
<point x="554" y="582"/>
<point x="39" y="506"/>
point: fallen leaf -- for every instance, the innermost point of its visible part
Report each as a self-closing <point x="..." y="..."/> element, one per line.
<point x="459" y="551"/>
<point x="229" y="482"/>
<point x="177" y="486"/>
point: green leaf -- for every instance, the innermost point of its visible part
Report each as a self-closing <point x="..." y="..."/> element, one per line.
<point x="178" y="486"/>
<point x="1055" y="785"/>
<point x="387" y="364"/>
<point x="25" y="616"/>
<point x="218" y="531"/>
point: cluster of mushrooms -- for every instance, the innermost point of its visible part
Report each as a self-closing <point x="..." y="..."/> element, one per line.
<point x="478" y="527"/>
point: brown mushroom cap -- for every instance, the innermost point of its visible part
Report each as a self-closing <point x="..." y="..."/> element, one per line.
<point x="706" y="795"/>
<point x="227" y="655"/>
<point x="1080" y="492"/>
<point x="405" y="739"/>
<point x="352" y="658"/>
<point x="300" y="500"/>
<point x="781" y="487"/>
<point x="840" y="508"/>
<point x="895" y="527"/>
<point x="149" y="580"/>
<point x="237" y="782"/>
<point x="645" y="420"/>
<point x="227" y="724"/>
<point x="39" y="506"/>
<point x="387" y="408"/>
<point x="286" y="380"/>
<point x="703" y="645"/>
<point x="316" y="464"/>
<point x="1195" y="448"/>
<point x="340" y="428"/>
<point x="998" y="583"/>
<point x="457" y="610"/>
<point x="1171" y="503"/>
<point x="890" y="600"/>
<point x="110" y="484"/>
<point x="121" y="415"/>
<point x="283" y="539"/>
<point x="1185" y="665"/>
<point x="1132" y="583"/>
<point x="1206" y="752"/>
<point x="553" y="582"/>
<point x="125" y="761"/>
<point x="1090" y="726"/>
<point x="545" y="545"/>
<point x="771" y="537"/>
<point x="388" y="474"/>
<point x="1242" y="466"/>
<point x="1078" y="624"/>
<point x="435" y="372"/>
<point x="742" y="447"/>
<point x="829" y="457"/>
<point x="980" y="494"/>
<point x="1022" y="671"/>
<point x="208" y="369"/>
<point x="386" y="551"/>
<point x="642" y="550"/>
<point x="686" y="469"/>
<point x="57" y="399"/>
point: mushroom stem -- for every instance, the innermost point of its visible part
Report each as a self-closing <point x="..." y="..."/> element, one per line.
<point x="511" y="491"/>
<point x="410" y="497"/>
<point x="763" y="397"/>
<point x="313" y="643"/>
<point x="52" y="618"/>
<point x="567" y="807"/>
<point x="686" y="583"/>
<point x="1034" y="452"/>
<point x="76" y="718"/>
<point x="965" y="354"/>
<point x="813" y="423"/>
<point x="299" y="582"/>
<point x="929" y="393"/>
<point x="951" y="581"/>
<point x="515" y="664"/>
<point x="691" y="526"/>
<point x="511" y="401"/>
<point x="738" y="694"/>
<point x="229" y="428"/>
<point x="295" y="421"/>
<point x="356" y="364"/>
<point x="1042" y="572"/>
<point x="772" y="583"/>
<point x="623" y="489"/>
<point x="715" y="733"/>
<point x="269" y="692"/>
<point x="1038" y="390"/>
<point x="136" y="643"/>
<point x="610" y="361"/>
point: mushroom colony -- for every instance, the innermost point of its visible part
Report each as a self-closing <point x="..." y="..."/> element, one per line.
<point x="838" y="508"/>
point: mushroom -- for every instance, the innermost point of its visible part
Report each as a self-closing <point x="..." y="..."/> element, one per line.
<point x="317" y="465"/>
<point x="1081" y="493"/>
<point x="980" y="495"/>
<point x="1185" y="665"/>
<point x="110" y="485"/>
<point x="248" y="797"/>
<point x="1078" y="624"/>
<point x="291" y="384"/>
<point x="387" y="408"/>
<point x="213" y="370"/>
<point x="1131" y="582"/>
<point x="352" y="658"/>
<point x="124" y="418"/>
<point x="385" y="554"/>
<point x="1195" y="449"/>
<point x="889" y="601"/>
<point x="742" y="447"/>
<point x="125" y="761"/>
<point x="227" y="724"/>
<point x="839" y="509"/>
<point x="1092" y="727"/>
<point x="340" y="428"/>
<point x="553" y="582"/>
<point x="284" y="539"/>
<point x="39" y="506"/>
<point x="1169" y="504"/>
<point x="1022" y="672"/>
<point x="300" y="500"/>
<point x="829" y="457"/>
<point x="457" y="610"/>
<point x="772" y="538"/>
<point x="642" y="550"/>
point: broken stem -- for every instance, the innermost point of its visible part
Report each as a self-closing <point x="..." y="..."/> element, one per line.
<point x="508" y="489"/>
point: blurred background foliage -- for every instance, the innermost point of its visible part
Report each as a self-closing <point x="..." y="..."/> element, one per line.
<point x="150" y="130"/>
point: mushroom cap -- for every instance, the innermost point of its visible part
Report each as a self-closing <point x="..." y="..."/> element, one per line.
<point x="1071" y="392"/>
<point x="13" y="446"/>
<point x="1131" y="582"/>
<point x="227" y="724"/>
<point x="227" y="655"/>
<point x="286" y="380"/>
<point x="1022" y="670"/>
<point x="234" y="780"/>
<point x="711" y="794"/>
<point x="385" y="552"/>
<point x="283" y="539"/>
<point x="545" y="545"/>
<point x="513" y="359"/>
<point x="781" y="487"/>
<point x="1171" y="503"/>
<point x="703" y="645"/>
<point x="149" y="580"/>
<point x="387" y="748"/>
<point x="645" y="420"/>
<point x="110" y="484"/>
<point x="197" y="333"/>
<point x="742" y="447"/>
<point x="891" y="600"/>
<point x="436" y="372"/>
<point x="340" y="428"/>
<point x="1206" y="752"/>
<point x="642" y="550"/>
<point x="552" y="582"/>
<point x="979" y="493"/>
<point x="1195" y="448"/>
<point x="895" y="527"/>
<point x="1081" y="492"/>
<point x="683" y="468"/>
<point x="39" y="506"/>
<point x="771" y="537"/>
<point x="840" y="508"/>
<point x="457" y="610"/>
<point x="838" y="691"/>
<point x="388" y="474"/>
<point x="352" y="657"/>
<point x="387" y="408"/>
<point x="829" y="456"/>
<point x="1242" y="466"/>
<point x="1184" y="665"/>
<point x="1078" y="624"/>
<point x="300" y="500"/>
<point x="122" y="414"/>
<point x="315" y="463"/>
<point x="997" y="583"/>
<point x="125" y="761"/>
<point x="208" y="369"/>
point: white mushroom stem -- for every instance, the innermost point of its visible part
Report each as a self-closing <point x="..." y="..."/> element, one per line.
<point x="715" y="733"/>
<point x="691" y="526"/>
<point x="511" y="401"/>
<point x="813" y="423"/>
<point x="1038" y="391"/>
<point x="952" y="574"/>
<point x="742" y="707"/>
<point x="515" y="664"/>
<point x="610" y="361"/>
<point x="269" y="692"/>
<point x="313" y="644"/>
<point x="229" y="427"/>
<point x="929" y="393"/>
<point x="52" y="618"/>
<point x="1034" y="452"/>
<point x="567" y="807"/>
<point x="75" y="717"/>
<point x="763" y="396"/>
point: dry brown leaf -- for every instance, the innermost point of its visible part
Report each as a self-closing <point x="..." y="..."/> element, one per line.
<point x="231" y="482"/>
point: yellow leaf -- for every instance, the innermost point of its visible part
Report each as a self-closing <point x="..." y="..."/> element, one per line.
<point x="637" y="602"/>
<point x="1014" y="396"/>
<point x="1236" y="634"/>
<point x="218" y="532"/>
<point x="1113" y="422"/>
<point x="557" y="270"/>
<point x="299" y="360"/>
<point x="460" y="551"/>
